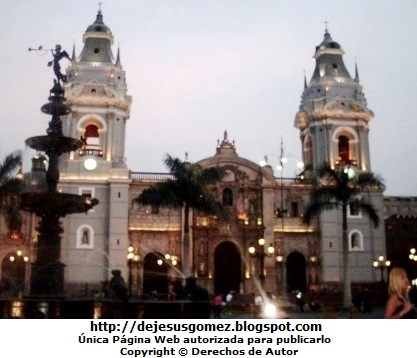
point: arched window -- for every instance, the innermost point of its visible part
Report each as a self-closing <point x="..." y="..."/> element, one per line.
<point x="85" y="237"/>
<point x="355" y="241"/>
<point x="91" y="137"/>
<point x="227" y="197"/>
<point x="344" y="149"/>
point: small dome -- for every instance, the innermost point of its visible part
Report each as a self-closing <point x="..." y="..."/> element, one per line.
<point x="98" y="25"/>
<point x="328" y="42"/>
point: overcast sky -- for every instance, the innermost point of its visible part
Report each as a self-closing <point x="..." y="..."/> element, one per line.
<point x="196" y="68"/>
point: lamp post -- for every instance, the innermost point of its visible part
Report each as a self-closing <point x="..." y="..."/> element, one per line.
<point x="132" y="256"/>
<point x="17" y="271"/>
<point x="260" y="253"/>
<point x="382" y="263"/>
<point x="413" y="257"/>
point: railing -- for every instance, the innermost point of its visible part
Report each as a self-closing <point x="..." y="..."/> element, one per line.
<point x="94" y="152"/>
<point x="291" y="181"/>
<point x="151" y="176"/>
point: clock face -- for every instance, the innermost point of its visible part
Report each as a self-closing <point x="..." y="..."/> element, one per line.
<point x="90" y="164"/>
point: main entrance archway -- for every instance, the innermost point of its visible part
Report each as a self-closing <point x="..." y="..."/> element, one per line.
<point x="296" y="272"/>
<point x="155" y="274"/>
<point x="227" y="268"/>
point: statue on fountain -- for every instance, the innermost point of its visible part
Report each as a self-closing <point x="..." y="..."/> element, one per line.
<point x="58" y="56"/>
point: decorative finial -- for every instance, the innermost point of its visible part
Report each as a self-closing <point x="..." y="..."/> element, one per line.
<point x="356" y="71"/>
<point x="118" y="57"/>
<point x="326" y="29"/>
<point x="186" y="157"/>
<point x="225" y="136"/>
<point x="99" y="6"/>
<point x="305" y="80"/>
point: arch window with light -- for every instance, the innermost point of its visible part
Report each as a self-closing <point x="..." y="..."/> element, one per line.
<point x="85" y="237"/>
<point x="345" y="147"/>
<point x="91" y="129"/>
<point x="91" y="141"/>
<point x="355" y="241"/>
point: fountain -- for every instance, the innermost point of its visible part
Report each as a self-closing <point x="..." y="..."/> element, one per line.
<point x="49" y="205"/>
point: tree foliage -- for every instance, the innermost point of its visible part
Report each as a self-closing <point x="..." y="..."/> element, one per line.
<point x="10" y="188"/>
<point x="337" y="188"/>
<point x="188" y="188"/>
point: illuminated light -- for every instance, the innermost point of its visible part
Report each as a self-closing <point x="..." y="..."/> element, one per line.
<point x="174" y="262"/>
<point x="261" y="241"/>
<point x="270" y="310"/>
<point x="26" y="259"/>
<point x="160" y="262"/>
<point x="19" y="252"/>
<point x="130" y="249"/>
<point x="167" y="256"/>
<point x="279" y="167"/>
<point x="12" y="258"/>
<point x="284" y="160"/>
<point x="262" y="163"/>
<point x="251" y="250"/>
<point x="271" y="249"/>
<point x="259" y="221"/>
<point x="279" y="258"/>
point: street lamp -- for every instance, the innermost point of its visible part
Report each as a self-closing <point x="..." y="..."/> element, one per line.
<point x="16" y="271"/>
<point x="19" y="256"/>
<point x="413" y="257"/>
<point x="132" y="256"/>
<point x="381" y="263"/>
<point x="260" y="253"/>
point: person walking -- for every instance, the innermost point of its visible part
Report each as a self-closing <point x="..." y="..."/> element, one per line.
<point x="398" y="303"/>
<point x="217" y="305"/>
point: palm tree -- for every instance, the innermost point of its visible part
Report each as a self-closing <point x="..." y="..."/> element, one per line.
<point x="187" y="189"/>
<point x="338" y="188"/>
<point x="10" y="188"/>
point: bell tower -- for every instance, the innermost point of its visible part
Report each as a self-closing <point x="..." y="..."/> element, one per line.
<point x="333" y="120"/>
<point x="96" y="91"/>
<point x="333" y="117"/>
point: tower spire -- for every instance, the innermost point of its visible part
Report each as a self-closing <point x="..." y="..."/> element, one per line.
<point x="305" y="80"/>
<point x="118" y="63"/>
<point x="73" y="52"/>
<point x="356" y="71"/>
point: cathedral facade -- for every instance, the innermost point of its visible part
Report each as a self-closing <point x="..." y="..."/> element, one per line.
<point x="264" y="245"/>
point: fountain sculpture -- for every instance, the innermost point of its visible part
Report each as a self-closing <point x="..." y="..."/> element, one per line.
<point x="49" y="205"/>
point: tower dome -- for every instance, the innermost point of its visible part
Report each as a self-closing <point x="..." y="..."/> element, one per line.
<point x="98" y="40"/>
<point x="98" y="25"/>
<point x="329" y="61"/>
